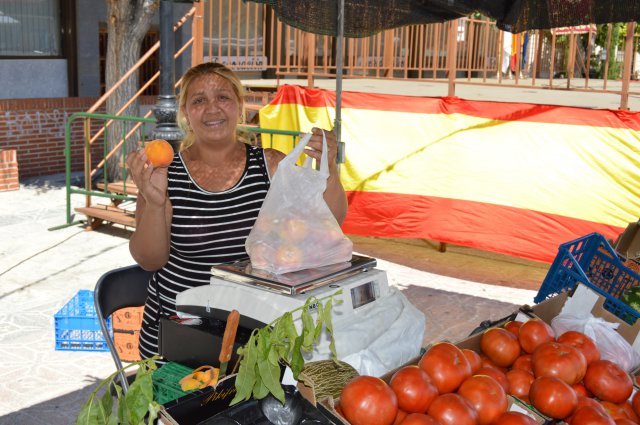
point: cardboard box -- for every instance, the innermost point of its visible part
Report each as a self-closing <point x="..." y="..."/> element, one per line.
<point x="201" y="407"/>
<point x="197" y="406"/>
<point x="329" y="404"/>
<point x="585" y="300"/>
<point x="628" y="242"/>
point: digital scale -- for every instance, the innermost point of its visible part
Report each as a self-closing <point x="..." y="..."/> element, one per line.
<point x="263" y="296"/>
<point x="375" y="327"/>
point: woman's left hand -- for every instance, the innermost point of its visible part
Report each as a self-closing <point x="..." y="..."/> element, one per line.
<point x="314" y="146"/>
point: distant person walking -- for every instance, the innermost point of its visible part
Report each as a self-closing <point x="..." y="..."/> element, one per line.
<point x="506" y="54"/>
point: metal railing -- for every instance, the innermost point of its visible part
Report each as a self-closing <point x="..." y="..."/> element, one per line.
<point x="93" y="165"/>
<point x="95" y="155"/>
<point x="248" y="37"/>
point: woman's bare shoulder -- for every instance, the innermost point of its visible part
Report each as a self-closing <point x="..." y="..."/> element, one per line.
<point x="273" y="154"/>
<point x="274" y="157"/>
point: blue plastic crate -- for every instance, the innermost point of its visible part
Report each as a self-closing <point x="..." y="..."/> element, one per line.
<point x="592" y="261"/>
<point x="77" y="327"/>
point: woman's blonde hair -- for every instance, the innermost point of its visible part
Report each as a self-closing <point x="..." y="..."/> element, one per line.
<point x="207" y="68"/>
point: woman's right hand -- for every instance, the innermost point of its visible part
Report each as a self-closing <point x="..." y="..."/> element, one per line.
<point x="150" y="181"/>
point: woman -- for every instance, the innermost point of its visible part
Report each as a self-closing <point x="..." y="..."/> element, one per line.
<point x="198" y="212"/>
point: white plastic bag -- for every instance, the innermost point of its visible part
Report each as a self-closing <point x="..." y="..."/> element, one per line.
<point x="295" y="229"/>
<point x="398" y="340"/>
<point x="380" y="337"/>
<point x="611" y="344"/>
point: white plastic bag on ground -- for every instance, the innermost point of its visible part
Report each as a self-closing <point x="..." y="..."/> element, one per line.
<point x="295" y="229"/>
<point x="612" y="345"/>
<point x="380" y="337"/>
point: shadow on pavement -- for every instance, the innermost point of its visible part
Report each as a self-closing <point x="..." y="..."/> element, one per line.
<point x="451" y="316"/>
<point x="53" y="181"/>
<point x="457" y="262"/>
<point x="61" y="410"/>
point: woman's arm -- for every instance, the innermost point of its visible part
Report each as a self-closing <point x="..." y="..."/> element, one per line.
<point x="149" y="244"/>
<point x="334" y="194"/>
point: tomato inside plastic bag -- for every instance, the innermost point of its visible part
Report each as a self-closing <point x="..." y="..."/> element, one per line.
<point x="295" y="229"/>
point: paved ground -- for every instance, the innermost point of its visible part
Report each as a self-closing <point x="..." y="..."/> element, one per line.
<point x="509" y="91"/>
<point x="40" y="270"/>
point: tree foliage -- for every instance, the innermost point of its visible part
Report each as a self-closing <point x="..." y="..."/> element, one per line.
<point x="616" y="42"/>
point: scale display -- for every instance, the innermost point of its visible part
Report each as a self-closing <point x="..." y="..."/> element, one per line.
<point x="363" y="294"/>
<point x="294" y="282"/>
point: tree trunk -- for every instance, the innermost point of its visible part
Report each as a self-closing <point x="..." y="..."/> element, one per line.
<point x="128" y="21"/>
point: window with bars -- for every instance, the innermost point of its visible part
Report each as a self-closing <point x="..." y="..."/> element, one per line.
<point x="30" y="28"/>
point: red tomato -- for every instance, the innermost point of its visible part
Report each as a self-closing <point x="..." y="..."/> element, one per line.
<point x="446" y="365"/>
<point x="413" y="388"/>
<point x="581" y="390"/>
<point x="608" y="381"/>
<point x="486" y="362"/>
<point x="453" y="409"/>
<point x="339" y="410"/>
<point x="515" y="418"/>
<point x="500" y="346"/>
<point x="589" y="415"/>
<point x="560" y="361"/>
<point x="400" y="417"/>
<point x="474" y="359"/>
<point x="588" y="401"/>
<point x="367" y="400"/>
<point x="419" y="419"/>
<point x="615" y="410"/>
<point x="523" y="362"/>
<point x="496" y="374"/>
<point x="533" y="333"/>
<point x="625" y="421"/>
<point x="486" y="395"/>
<point x="583" y="343"/>
<point x="513" y="326"/>
<point x="553" y="397"/>
<point x="628" y="409"/>
<point x="635" y="403"/>
<point x="519" y="383"/>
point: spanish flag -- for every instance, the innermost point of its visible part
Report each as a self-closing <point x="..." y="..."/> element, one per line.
<point x="514" y="178"/>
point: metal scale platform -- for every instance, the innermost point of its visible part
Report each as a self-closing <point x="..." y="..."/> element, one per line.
<point x="295" y="282"/>
<point x="375" y="327"/>
<point x="263" y="296"/>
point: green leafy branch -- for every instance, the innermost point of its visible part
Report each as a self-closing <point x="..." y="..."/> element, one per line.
<point x="279" y="343"/>
<point x="133" y="407"/>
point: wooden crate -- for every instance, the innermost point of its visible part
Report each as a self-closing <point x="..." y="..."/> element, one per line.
<point x="126" y="343"/>
<point x="127" y="319"/>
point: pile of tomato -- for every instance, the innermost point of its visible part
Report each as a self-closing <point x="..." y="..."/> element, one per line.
<point x="563" y="378"/>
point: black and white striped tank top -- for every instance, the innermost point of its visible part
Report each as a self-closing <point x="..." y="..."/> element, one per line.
<point x="207" y="228"/>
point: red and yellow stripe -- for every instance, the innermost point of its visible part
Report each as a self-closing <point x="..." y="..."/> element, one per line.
<point x="513" y="178"/>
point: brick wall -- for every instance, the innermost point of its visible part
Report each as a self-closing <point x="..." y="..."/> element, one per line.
<point x="8" y="171"/>
<point x="35" y="129"/>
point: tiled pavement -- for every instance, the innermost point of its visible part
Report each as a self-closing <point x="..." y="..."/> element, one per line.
<point x="40" y="270"/>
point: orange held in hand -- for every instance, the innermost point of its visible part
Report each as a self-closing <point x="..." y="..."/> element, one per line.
<point x="159" y="152"/>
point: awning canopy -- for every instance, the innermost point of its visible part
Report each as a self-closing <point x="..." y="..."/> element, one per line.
<point x="363" y="18"/>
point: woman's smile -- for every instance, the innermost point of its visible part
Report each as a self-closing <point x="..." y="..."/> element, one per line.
<point x="212" y="109"/>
